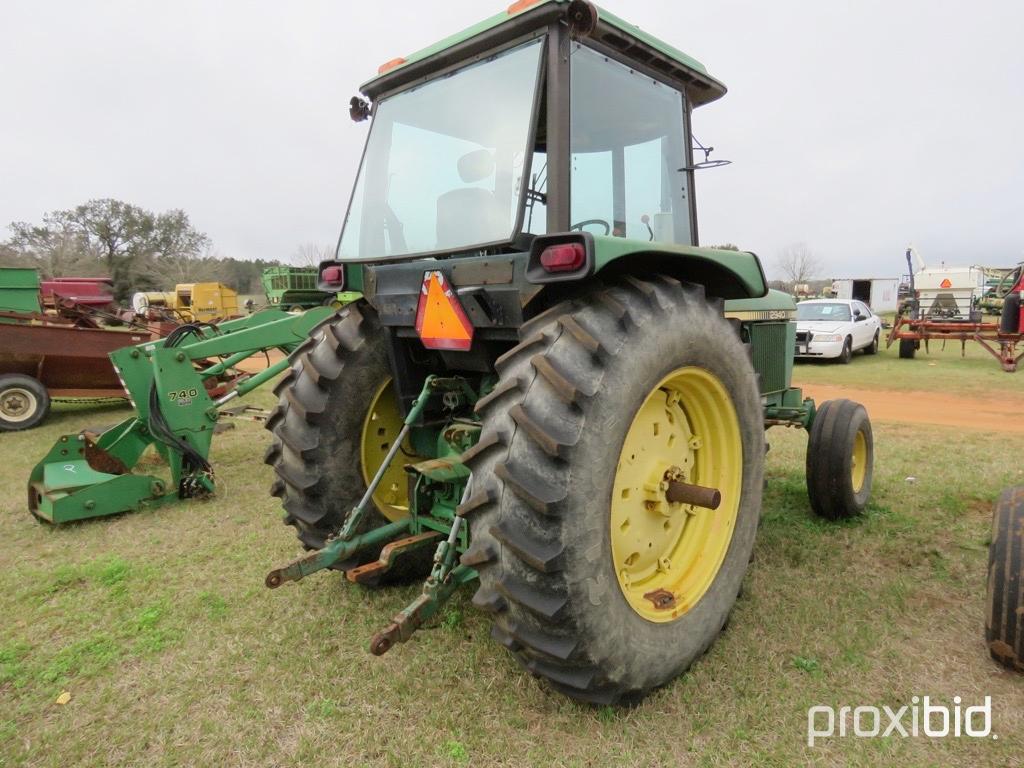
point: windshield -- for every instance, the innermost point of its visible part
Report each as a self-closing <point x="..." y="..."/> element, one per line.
<point x="443" y="166"/>
<point x="837" y="312"/>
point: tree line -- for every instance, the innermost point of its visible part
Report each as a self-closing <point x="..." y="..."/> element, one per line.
<point x="138" y="249"/>
<point x="146" y="251"/>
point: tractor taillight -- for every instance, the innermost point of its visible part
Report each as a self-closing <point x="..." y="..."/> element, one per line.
<point x="566" y="257"/>
<point x="333" y="276"/>
<point x="560" y="258"/>
<point x="330" y="276"/>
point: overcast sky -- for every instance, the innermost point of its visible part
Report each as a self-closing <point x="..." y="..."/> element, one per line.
<point x="856" y="127"/>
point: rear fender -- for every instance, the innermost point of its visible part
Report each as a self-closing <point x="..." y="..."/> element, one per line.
<point x="723" y="273"/>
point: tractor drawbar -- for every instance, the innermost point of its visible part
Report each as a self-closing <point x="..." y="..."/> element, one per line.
<point x="404" y="535"/>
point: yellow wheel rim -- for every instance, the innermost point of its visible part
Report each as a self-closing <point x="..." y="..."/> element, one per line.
<point x="381" y="426"/>
<point x="666" y="555"/>
<point x="859" y="462"/>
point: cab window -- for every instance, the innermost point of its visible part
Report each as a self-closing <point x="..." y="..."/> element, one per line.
<point x="626" y="151"/>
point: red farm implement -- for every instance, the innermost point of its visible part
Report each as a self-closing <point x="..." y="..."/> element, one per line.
<point x="934" y="313"/>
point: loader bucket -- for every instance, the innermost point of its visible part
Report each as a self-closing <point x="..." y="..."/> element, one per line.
<point x="78" y="480"/>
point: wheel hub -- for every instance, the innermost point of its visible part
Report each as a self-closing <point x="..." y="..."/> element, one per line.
<point x="859" y="462"/>
<point x="381" y="426"/>
<point x="684" y="439"/>
<point x="17" y="404"/>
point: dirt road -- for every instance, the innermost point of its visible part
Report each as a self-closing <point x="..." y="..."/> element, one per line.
<point x="1004" y="414"/>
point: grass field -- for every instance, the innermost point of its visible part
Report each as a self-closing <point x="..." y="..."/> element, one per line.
<point x="173" y="652"/>
<point x="975" y="373"/>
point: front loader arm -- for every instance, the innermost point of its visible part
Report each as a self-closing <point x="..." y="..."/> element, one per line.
<point x="87" y="475"/>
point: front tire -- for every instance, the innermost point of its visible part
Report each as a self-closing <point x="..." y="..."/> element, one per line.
<point x="840" y="460"/>
<point x="563" y="474"/>
<point x="1004" y="622"/>
<point x="24" y="402"/>
<point x="847" y="354"/>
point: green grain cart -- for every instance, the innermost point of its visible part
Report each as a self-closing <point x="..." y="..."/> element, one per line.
<point x="548" y="391"/>
<point x="19" y="292"/>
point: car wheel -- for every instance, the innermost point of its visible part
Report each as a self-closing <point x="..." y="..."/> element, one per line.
<point x="872" y="348"/>
<point x="847" y="353"/>
<point x="24" y="402"/>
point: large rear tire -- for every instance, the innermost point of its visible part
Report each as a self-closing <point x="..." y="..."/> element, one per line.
<point x="335" y="418"/>
<point x="582" y="561"/>
<point x="1004" y="624"/>
<point x="24" y="402"/>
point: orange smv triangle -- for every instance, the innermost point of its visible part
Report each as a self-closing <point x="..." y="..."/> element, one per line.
<point x="441" y="321"/>
<point x="946" y="284"/>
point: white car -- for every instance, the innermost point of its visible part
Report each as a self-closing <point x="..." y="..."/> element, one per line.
<point x="836" y="328"/>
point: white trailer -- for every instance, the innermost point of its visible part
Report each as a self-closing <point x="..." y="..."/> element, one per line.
<point x="949" y="292"/>
<point x="879" y="293"/>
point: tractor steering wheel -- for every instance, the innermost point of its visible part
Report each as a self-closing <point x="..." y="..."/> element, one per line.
<point x="587" y="222"/>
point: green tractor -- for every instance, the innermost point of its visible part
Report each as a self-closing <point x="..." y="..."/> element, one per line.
<point x="548" y="390"/>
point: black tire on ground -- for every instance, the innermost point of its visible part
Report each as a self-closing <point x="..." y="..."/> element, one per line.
<point x="1009" y="318"/>
<point x="847" y="354"/>
<point x="24" y="402"/>
<point x="872" y="348"/>
<point x="317" y="426"/>
<point x="553" y="431"/>
<point x="1004" y="623"/>
<point x="830" y="460"/>
<point x="908" y="347"/>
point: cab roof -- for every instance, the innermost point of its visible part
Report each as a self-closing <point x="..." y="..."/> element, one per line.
<point x="525" y="16"/>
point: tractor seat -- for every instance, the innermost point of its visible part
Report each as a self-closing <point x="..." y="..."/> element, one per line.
<point x="471" y="215"/>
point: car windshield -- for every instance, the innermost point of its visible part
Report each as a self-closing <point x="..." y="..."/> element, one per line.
<point x="443" y="166"/>
<point x="828" y="311"/>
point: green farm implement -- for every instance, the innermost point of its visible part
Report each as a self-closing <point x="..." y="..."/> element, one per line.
<point x="547" y="383"/>
<point x="295" y="289"/>
<point x="87" y="475"/>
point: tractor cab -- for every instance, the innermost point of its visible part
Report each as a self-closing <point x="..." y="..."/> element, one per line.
<point x="556" y="117"/>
